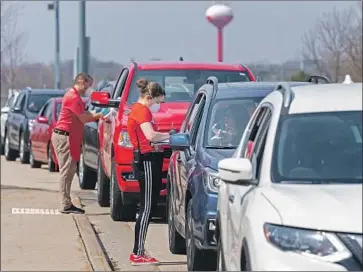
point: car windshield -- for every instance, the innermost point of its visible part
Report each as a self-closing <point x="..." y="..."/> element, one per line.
<point x="227" y="120"/>
<point x="319" y="148"/>
<point x="37" y="101"/>
<point x="180" y="85"/>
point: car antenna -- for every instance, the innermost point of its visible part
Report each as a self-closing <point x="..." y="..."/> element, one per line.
<point x="181" y="59"/>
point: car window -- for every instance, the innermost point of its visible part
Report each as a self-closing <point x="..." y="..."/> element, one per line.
<point x="197" y="120"/>
<point x="37" y="101"/>
<point x="57" y="110"/>
<point x="189" y="121"/>
<point x="319" y="147"/>
<point x="48" y="111"/>
<point x="121" y="84"/>
<point x="20" y="101"/>
<point x="181" y="85"/>
<point x="227" y="121"/>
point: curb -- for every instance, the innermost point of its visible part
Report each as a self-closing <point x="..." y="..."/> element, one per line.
<point x="94" y="251"/>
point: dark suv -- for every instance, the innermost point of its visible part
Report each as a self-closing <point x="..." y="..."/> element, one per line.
<point x="211" y="131"/>
<point x="21" y="119"/>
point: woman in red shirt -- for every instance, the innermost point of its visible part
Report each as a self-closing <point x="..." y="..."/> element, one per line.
<point x="147" y="164"/>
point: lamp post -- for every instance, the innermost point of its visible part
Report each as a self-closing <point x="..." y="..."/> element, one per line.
<point x="219" y="15"/>
<point x="55" y="6"/>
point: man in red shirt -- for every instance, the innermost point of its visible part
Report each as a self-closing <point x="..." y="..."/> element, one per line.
<point x="67" y="137"/>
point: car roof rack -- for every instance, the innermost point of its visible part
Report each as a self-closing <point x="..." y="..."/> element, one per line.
<point x="286" y="91"/>
<point x="315" y="79"/>
<point x="212" y="80"/>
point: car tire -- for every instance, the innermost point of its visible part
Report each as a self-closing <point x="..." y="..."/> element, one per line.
<point x="197" y="260"/>
<point x="118" y="210"/>
<point x="176" y="241"/>
<point x="220" y="258"/>
<point x="52" y="167"/>
<point x="23" y="155"/>
<point x="103" y="186"/>
<point x="33" y="163"/>
<point x="86" y="177"/>
<point x="10" y="154"/>
<point x="2" y="149"/>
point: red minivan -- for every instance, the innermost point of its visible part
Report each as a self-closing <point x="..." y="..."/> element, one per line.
<point x="41" y="150"/>
<point x="117" y="187"/>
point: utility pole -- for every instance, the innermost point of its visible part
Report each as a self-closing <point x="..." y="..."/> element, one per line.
<point x="55" y="6"/>
<point x="82" y="38"/>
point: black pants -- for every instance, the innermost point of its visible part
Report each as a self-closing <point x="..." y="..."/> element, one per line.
<point x="149" y="173"/>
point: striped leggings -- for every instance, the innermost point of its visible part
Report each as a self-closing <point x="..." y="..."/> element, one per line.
<point x="148" y="172"/>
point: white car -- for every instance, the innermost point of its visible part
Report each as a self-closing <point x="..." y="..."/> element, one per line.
<point x="290" y="198"/>
<point x="12" y="97"/>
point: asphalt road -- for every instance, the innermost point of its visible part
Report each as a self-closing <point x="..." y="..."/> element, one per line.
<point x="115" y="237"/>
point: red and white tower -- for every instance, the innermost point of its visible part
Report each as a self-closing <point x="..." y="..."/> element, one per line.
<point x="219" y="15"/>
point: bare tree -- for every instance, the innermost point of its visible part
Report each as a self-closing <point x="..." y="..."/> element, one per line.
<point x="353" y="62"/>
<point x="326" y="43"/>
<point x="12" y="43"/>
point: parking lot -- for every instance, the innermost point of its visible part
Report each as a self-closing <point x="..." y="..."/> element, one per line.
<point x="39" y="237"/>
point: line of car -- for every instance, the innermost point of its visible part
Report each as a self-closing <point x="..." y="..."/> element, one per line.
<point x="241" y="175"/>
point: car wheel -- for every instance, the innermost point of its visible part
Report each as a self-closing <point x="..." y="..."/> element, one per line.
<point x="10" y="154"/>
<point x="197" y="260"/>
<point x="23" y="154"/>
<point x="2" y="147"/>
<point x="51" y="165"/>
<point x="176" y="241"/>
<point x="118" y="210"/>
<point x="86" y="177"/>
<point x="220" y="259"/>
<point x="103" y="186"/>
<point x="33" y="163"/>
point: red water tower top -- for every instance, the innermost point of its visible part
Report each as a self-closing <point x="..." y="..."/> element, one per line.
<point x="219" y="15"/>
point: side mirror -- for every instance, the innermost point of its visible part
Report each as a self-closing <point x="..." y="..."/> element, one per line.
<point x="16" y="109"/>
<point x="179" y="141"/>
<point x="42" y="120"/>
<point x="235" y="170"/>
<point x="103" y="100"/>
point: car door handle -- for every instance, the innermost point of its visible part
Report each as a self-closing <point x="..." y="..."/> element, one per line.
<point x="231" y="198"/>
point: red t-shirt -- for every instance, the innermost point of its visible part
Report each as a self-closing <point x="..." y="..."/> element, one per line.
<point x="72" y="105"/>
<point x="139" y="114"/>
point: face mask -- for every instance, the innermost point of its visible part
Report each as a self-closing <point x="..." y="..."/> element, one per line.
<point x="154" y="107"/>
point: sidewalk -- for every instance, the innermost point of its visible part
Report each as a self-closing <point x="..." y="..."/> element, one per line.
<point x="38" y="241"/>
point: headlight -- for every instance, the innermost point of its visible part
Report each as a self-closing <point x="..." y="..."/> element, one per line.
<point x="30" y="124"/>
<point x="316" y="244"/>
<point x="124" y="139"/>
<point x="212" y="180"/>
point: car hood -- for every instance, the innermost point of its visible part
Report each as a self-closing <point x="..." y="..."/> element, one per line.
<point x="170" y="116"/>
<point x="324" y="207"/>
<point x="210" y="157"/>
<point x="5" y="109"/>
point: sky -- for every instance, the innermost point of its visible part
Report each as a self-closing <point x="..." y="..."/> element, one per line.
<point x="261" y="31"/>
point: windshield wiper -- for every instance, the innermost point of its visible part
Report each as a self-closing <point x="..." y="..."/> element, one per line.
<point x="220" y="147"/>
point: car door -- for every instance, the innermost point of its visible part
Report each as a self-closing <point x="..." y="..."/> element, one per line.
<point x="35" y="136"/>
<point x="187" y="158"/>
<point x="176" y="187"/>
<point x="239" y="196"/>
<point x="47" y="128"/>
<point x="44" y="132"/>
<point x="15" y="121"/>
<point x="111" y="121"/>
